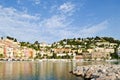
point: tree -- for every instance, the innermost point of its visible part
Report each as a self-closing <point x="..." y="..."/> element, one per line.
<point x="1" y="55"/>
<point x="74" y="39"/>
<point x="79" y="38"/>
<point x="54" y="55"/>
<point x="64" y="39"/>
<point x="97" y="38"/>
<point x="15" y="40"/>
<point x="36" y="42"/>
<point x="2" y="38"/>
<point x="8" y="37"/>
<point x="38" y="56"/>
<point x="110" y="39"/>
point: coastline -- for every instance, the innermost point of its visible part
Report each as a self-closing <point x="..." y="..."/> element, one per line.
<point x="66" y="60"/>
<point x="98" y="72"/>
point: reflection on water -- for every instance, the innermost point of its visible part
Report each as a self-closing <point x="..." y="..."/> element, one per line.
<point x="36" y="71"/>
<point x="47" y="70"/>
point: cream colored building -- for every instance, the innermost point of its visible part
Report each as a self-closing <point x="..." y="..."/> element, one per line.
<point x="109" y="50"/>
<point x="61" y="54"/>
<point x="90" y="50"/>
<point x="98" y="49"/>
<point x="1" y="48"/>
<point x="102" y="43"/>
<point x="107" y="44"/>
<point x="100" y="55"/>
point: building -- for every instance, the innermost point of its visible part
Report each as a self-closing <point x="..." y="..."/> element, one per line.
<point x="1" y="50"/>
<point x="43" y="44"/>
<point x="62" y="50"/>
<point x="9" y="52"/>
<point x="100" y="56"/>
<point x="106" y="44"/>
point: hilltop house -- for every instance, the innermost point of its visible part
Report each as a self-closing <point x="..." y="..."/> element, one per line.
<point x="61" y="51"/>
<point x="106" y="44"/>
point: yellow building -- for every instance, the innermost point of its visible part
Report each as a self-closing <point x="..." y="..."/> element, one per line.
<point x="1" y="50"/>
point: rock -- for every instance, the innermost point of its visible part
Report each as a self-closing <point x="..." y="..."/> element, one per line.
<point x="98" y="72"/>
<point x="89" y="73"/>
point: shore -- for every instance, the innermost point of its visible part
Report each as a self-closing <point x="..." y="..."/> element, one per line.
<point x="76" y="60"/>
<point x="39" y="60"/>
<point x="98" y="72"/>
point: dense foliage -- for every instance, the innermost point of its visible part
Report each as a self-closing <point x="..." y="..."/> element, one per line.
<point x="85" y="42"/>
<point x="74" y="44"/>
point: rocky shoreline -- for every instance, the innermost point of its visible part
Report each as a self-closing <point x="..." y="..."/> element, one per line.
<point x="98" y="72"/>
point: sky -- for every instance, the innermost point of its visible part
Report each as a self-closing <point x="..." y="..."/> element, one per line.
<point x="53" y="20"/>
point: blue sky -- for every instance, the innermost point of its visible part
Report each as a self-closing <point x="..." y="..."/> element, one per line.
<point x="54" y="20"/>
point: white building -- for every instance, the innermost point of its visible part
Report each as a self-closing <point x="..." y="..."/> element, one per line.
<point x="43" y="44"/>
<point x="9" y="52"/>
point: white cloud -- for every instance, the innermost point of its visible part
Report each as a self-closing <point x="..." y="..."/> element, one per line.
<point x="30" y="28"/>
<point x="37" y="1"/>
<point x="92" y="30"/>
<point x="55" y="21"/>
<point x="17" y="24"/>
<point x="95" y="28"/>
<point x="27" y="27"/>
<point x="88" y="31"/>
<point x="67" y="7"/>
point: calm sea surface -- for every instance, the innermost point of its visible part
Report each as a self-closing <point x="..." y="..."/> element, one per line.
<point x="47" y="70"/>
<point x="32" y="70"/>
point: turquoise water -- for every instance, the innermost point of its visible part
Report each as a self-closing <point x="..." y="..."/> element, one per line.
<point x="37" y="71"/>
